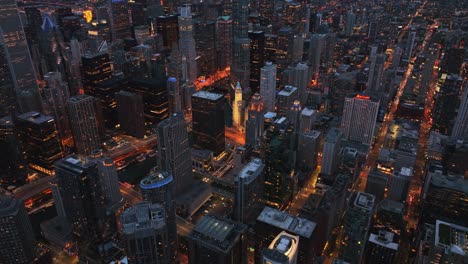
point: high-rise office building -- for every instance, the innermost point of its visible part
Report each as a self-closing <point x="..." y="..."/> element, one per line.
<point x="120" y="20"/>
<point x="257" y="51"/>
<point x="382" y="247"/>
<point x="376" y="72"/>
<point x="299" y="77"/>
<point x="81" y="193"/>
<point x="158" y="187"/>
<point x="331" y="152"/>
<point x="14" y="172"/>
<point x="82" y="114"/>
<point x="108" y="180"/>
<point x="168" y="28"/>
<point x="356" y="225"/>
<point x="266" y="9"/>
<point x="155" y="98"/>
<point x="145" y="233"/>
<point x="268" y="86"/>
<point x="307" y="119"/>
<point x="205" y="42"/>
<point x="277" y="146"/>
<point x="175" y="95"/>
<point x="399" y="184"/>
<point x="174" y="151"/>
<point x="224" y="42"/>
<point x="307" y="150"/>
<point x="96" y="68"/>
<point x="216" y="239"/>
<point x="16" y="52"/>
<point x="285" y="99"/>
<point x="350" y="23"/>
<point x="187" y="41"/>
<point x="131" y="113"/>
<point x="8" y="102"/>
<point x="316" y="51"/>
<point x="376" y="184"/>
<point x="460" y="128"/>
<point x="359" y="118"/>
<point x="57" y="94"/>
<point x="39" y="140"/>
<point x="271" y="222"/>
<point x="293" y="114"/>
<point x="254" y="126"/>
<point x="284" y="49"/>
<point x="410" y="45"/>
<point x="282" y="250"/>
<point x="208" y="121"/>
<point x="249" y="192"/>
<point x="17" y="242"/>
<point x="240" y="47"/>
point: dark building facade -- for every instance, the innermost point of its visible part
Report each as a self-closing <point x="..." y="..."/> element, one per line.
<point x="208" y="121"/>
<point x="131" y="114"/>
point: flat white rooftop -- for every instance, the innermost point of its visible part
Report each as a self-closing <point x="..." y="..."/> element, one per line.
<point x="287" y="222"/>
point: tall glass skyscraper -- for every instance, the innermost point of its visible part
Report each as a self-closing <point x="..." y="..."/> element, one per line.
<point x="17" y="52"/>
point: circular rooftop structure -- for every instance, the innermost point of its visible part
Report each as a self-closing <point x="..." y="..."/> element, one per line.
<point x="156" y="179"/>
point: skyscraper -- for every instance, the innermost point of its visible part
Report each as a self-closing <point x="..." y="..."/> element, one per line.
<point x="175" y="95"/>
<point x="224" y="42"/>
<point x="399" y="185"/>
<point x="145" y="233"/>
<point x="356" y="225"/>
<point x="17" y="242"/>
<point x="316" y="47"/>
<point x="307" y="150"/>
<point x="331" y="151"/>
<point x="350" y="22"/>
<point x="108" y="180"/>
<point x="249" y="192"/>
<point x="240" y="47"/>
<point x="187" y="41"/>
<point x="208" y="121"/>
<point x="460" y="128"/>
<point x="217" y="240"/>
<point x="16" y="51"/>
<point x="84" y="123"/>
<point x="155" y="98"/>
<point x="283" y="249"/>
<point x="158" y="187"/>
<point x="120" y="20"/>
<point x="376" y="72"/>
<point x="131" y="113"/>
<point x="285" y="99"/>
<point x="254" y="125"/>
<point x="167" y="27"/>
<point x="174" y="151"/>
<point x="57" y="94"/>
<point x="257" y="50"/>
<point x="359" y="118"/>
<point x="96" y="68"/>
<point x="39" y="141"/>
<point x="376" y="184"/>
<point x="205" y="40"/>
<point x="81" y="193"/>
<point x="237" y="108"/>
<point x="410" y="45"/>
<point x="268" y="86"/>
<point x="299" y="77"/>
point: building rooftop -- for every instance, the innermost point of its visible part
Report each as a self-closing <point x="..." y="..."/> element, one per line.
<point x="252" y="168"/>
<point x="308" y="112"/>
<point x="451" y="181"/>
<point x="156" y="179"/>
<point x="207" y="95"/>
<point x="384" y="239"/>
<point x="287" y="90"/>
<point x="36" y="118"/>
<point x="287" y="222"/>
<point x="364" y="201"/>
<point x="217" y="232"/>
<point x="333" y="135"/>
<point x="141" y="216"/>
<point x="9" y="205"/>
<point x="312" y="134"/>
<point x="453" y="237"/>
<point x="392" y="206"/>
